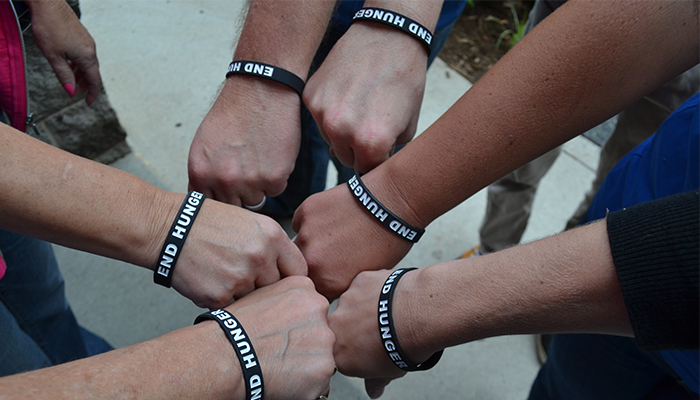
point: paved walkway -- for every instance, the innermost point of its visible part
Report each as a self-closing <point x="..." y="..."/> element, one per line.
<point x="162" y="62"/>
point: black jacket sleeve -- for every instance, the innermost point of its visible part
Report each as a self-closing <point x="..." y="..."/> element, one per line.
<point x="656" y="251"/>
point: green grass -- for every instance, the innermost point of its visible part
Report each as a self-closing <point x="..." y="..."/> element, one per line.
<point x="515" y="35"/>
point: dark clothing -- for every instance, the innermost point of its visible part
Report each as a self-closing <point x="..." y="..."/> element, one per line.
<point x="656" y="253"/>
<point x="655" y="250"/>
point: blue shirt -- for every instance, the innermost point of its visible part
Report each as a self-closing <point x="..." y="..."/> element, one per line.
<point x="667" y="163"/>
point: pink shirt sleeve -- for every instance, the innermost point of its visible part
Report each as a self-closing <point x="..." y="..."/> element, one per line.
<point x="3" y="267"/>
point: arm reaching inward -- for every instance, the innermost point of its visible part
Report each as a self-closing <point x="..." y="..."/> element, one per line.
<point x="53" y="195"/>
<point x="286" y="325"/>
<point x="555" y="84"/>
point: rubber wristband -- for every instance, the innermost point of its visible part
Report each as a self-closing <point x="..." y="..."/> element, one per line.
<point x="252" y="373"/>
<point x="267" y="71"/>
<point x="381" y="213"/>
<point x="398" y="21"/>
<point x="387" y="331"/>
<point x="163" y="271"/>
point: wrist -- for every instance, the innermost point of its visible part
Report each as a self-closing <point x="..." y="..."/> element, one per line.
<point x="425" y="12"/>
<point x="376" y="35"/>
<point x="266" y="71"/>
<point x="284" y="33"/>
<point x="393" y="196"/>
<point x="163" y="207"/>
<point x="413" y="327"/>
<point x="418" y="196"/>
<point x="382" y="214"/>
<point x="249" y="92"/>
<point x="221" y="360"/>
<point x="243" y="347"/>
<point x="376" y="17"/>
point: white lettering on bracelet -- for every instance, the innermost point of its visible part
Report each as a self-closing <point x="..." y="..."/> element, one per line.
<point x="386" y="327"/>
<point x="398" y="21"/>
<point x="176" y="238"/>
<point x="384" y="216"/>
<point x="266" y="71"/>
<point x="252" y="372"/>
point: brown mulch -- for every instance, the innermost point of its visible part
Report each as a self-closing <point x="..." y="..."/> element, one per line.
<point x="471" y="47"/>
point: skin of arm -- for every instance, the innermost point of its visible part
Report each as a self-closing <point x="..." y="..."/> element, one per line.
<point x="555" y="84"/>
<point x="367" y="94"/>
<point x="562" y="284"/>
<point x="53" y="195"/>
<point x="67" y="46"/>
<point x="246" y="145"/>
<point x="285" y="322"/>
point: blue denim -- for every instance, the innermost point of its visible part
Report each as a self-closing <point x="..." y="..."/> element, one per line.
<point x="311" y="167"/>
<point x="600" y="367"/>
<point x="37" y="326"/>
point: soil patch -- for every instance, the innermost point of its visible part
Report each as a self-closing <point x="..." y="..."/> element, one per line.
<point x="471" y="48"/>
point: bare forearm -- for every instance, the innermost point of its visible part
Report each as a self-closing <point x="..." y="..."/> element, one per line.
<point x="152" y="370"/>
<point x="39" y="6"/>
<point x="559" y="81"/>
<point x="284" y="33"/>
<point x="199" y="362"/>
<point x="50" y="194"/>
<point x="562" y="284"/>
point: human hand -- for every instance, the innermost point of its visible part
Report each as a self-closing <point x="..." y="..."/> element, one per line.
<point x="358" y="349"/>
<point x="367" y="94"/>
<point x="247" y="143"/>
<point x="286" y="325"/>
<point x="67" y="46"/>
<point x="339" y="239"/>
<point x="230" y="252"/>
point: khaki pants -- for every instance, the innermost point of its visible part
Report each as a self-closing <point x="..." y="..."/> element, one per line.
<point x="510" y="198"/>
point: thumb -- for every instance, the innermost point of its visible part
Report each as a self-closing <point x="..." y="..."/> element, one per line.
<point x="375" y="386"/>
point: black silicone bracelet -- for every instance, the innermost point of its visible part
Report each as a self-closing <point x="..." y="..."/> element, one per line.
<point x="163" y="271"/>
<point x="268" y="71"/>
<point x="381" y="213"/>
<point x="252" y="373"/>
<point x="387" y="331"/>
<point x="398" y="21"/>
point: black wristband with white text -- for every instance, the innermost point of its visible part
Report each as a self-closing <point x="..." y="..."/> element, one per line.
<point x="252" y="373"/>
<point x="267" y="71"/>
<point x="163" y="271"/>
<point x="386" y="327"/>
<point x="381" y="213"/>
<point x="398" y="21"/>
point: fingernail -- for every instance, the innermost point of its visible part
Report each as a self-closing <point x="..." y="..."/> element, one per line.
<point x="376" y="393"/>
<point x="69" y="88"/>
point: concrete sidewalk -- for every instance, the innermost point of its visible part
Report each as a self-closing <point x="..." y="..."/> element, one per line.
<point x="162" y="62"/>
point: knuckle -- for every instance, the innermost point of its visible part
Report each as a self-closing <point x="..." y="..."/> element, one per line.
<point x="90" y="51"/>
<point x="277" y="182"/>
<point x="243" y="286"/>
<point x="319" y="303"/>
<point x="372" y="145"/>
<point x="218" y="299"/>
<point x="202" y="303"/>
<point x="197" y="172"/>
<point x="270" y="229"/>
<point x="312" y="101"/>
<point x="334" y="321"/>
<point x="309" y="99"/>
<point x="301" y="282"/>
<point x="226" y="180"/>
<point x="363" y="279"/>
<point x="335" y="125"/>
